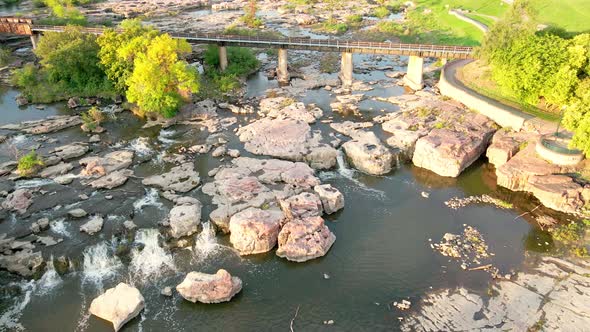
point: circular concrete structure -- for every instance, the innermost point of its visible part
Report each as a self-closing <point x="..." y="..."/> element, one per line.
<point x="555" y="148"/>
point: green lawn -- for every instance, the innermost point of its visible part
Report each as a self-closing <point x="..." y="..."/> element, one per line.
<point x="571" y="15"/>
<point x="439" y="27"/>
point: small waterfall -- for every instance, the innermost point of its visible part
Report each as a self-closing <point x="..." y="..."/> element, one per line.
<point x="59" y="227"/>
<point x="9" y="320"/>
<point x="343" y="168"/>
<point x="165" y="136"/>
<point x="49" y="280"/>
<point x="141" y="147"/>
<point x="151" y="198"/>
<point x="152" y="260"/>
<point x="206" y="243"/>
<point x="398" y="162"/>
<point x="99" y="264"/>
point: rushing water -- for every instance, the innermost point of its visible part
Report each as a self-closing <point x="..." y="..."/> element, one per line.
<point x="381" y="254"/>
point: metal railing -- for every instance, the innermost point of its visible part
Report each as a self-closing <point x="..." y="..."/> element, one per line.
<point x="301" y="43"/>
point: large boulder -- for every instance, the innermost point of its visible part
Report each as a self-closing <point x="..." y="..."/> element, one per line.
<point x="505" y="144"/>
<point x="332" y="199"/>
<point x="185" y="219"/>
<point x="558" y="192"/>
<point x="209" y="288"/>
<point x="303" y="239"/>
<point x="92" y="226"/>
<point x="323" y="157"/>
<point x="448" y="152"/>
<point x="367" y="154"/>
<point x="19" y="200"/>
<point x="516" y="173"/>
<point x="181" y="178"/>
<point x="254" y="231"/>
<point x="301" y="206"/>
<point x="118" y="305"/>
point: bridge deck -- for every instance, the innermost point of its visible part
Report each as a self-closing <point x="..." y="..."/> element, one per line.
<point x="26" y="27"/>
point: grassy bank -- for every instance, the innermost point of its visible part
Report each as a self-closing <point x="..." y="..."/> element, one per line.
<point x="478" y="77"/>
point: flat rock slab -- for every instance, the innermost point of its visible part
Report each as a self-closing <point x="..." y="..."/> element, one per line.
<point x="47" y="125"/>
<point x="92" y="226"/>
<point x="19" y="200"/>
<point x="303" y="239"/>
<point x="517" y="172"/>
<point x="111" y="162"/>
<point x="209" y="288"/>
<point x="181" y="178"/>
<point x="112" y="180"/>
<point x="559" y="192"/>
<point x="118" y="305"/>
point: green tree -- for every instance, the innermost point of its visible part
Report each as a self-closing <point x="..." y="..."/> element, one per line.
<point x="118" y="50"/>
<point x="160" y="80"/>
<point x="70" y="59"/>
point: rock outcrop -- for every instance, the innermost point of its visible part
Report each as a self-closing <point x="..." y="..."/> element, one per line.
<point x="118" y="305"/>
<point x="19" y="200"/>
<point x="209" y="288"/>
<point x="367" y="154"/>
<point x="302" y="206"/>
<point x="332" y="199"/>
<point x="185" y="219"/>
<point x="181" y="178"/>
<point x="255" y="231"/>
<point x="47" y="125"/>
<point x="303" y="239"/>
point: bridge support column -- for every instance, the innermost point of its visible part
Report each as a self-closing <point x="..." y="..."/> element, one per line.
<point x="282" y="69"/>
<point x="413" y="78"/>
<point x="35" y="40"/>
<point x="346" y="70"/>
<point x="222" y="57"/>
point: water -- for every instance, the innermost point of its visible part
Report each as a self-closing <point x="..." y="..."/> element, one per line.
<point x="151" y="198"/>
<point x="49" y="281"/>
<point x="99" y="264"/>
<point x="381" y="254"/>
<point x="149" y="261"/>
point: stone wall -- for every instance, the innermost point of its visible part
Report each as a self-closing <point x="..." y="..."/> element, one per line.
<point x="501" y="114"/>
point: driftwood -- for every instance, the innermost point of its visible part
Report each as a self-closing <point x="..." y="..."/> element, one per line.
<point x="483" y="267"/>
<point x="293" y="319"/>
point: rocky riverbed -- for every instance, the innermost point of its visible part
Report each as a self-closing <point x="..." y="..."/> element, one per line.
<point x="383" y="208"/>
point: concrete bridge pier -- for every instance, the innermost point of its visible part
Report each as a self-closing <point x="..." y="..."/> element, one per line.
<point x="35" y="40"/>
<point x="282" y="69"/>
<point x="222" y="57"/>
<point x="413" y="78"/>
<point x="346" y="70"/>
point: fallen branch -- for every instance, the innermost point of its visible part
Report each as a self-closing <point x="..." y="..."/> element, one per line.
<point x="293" y="319"/>
<point x="483" y="267"/>
<point x="538" y="206"/>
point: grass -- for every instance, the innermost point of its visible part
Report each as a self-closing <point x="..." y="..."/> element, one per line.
<point x="478" y="77"/>
<point x="29" y="163"/>
<point x="571" y="15"/>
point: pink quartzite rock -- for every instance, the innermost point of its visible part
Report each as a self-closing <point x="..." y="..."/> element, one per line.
<point x="118" y="305"/>
<point x="558" y="192"/>
<point x="304" y="239"/>
<point x="447" y="152"/>
<point x="516" y="173"/>
<point x="19" y="201"/>
<point x="254" y="231"/>
<point x="302" y="206"/>
<point x="332" y="199"/>
<point x="209" y="288"/>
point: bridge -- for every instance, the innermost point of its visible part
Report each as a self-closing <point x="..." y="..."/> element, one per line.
<point x="416" y="52"/>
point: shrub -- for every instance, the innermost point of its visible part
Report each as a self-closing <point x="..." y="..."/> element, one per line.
<point x="29" y="163"/>
<point x="92" y="118"/>
<point x="5" y="56"/>
<point x="381" y="12"/>
<point x="355" y="18"/>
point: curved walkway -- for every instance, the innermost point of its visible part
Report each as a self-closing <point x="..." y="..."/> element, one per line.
<point x="459" y="14"/>
<point x="502" y="114"/>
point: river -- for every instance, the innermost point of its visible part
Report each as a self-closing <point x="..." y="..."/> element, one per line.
<point x="382" y="252"/>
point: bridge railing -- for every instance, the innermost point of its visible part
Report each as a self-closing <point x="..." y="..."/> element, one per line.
<point x="335" y="44"/>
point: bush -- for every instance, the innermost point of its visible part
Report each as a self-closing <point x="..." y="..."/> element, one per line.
<point x="333" y="27"/>
<point x="356" y="18"/>
<point x="92" y="118"/>
<point x="5" y="56"/>
<point x="381" y="12"/>
<point x="29" y="163"/>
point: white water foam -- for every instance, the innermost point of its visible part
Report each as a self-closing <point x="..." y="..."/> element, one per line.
<point x="59" y="226"/>
<point x="33" y="183"/>
<point x="152" y="260"/>
<point x="151" y="198"/>
<point x="99" y="265"/>
<point x="49" y="281"/>
<point x="165" y="136"/>
<point x="346" y="172"/>
<point x="141" y="147"/>
<point x="206" y="243"/>
<point x="11" y="316"/>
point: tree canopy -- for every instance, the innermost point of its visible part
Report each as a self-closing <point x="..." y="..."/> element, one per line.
<point x="160" y="80"/>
